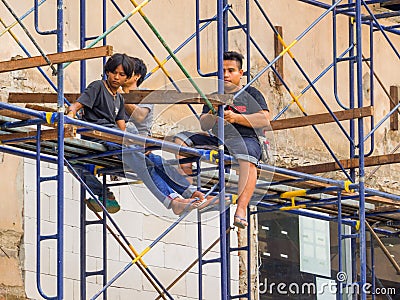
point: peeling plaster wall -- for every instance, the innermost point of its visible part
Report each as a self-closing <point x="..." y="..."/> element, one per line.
<point x="290" y="147"/>
<point x="11" y="228"/>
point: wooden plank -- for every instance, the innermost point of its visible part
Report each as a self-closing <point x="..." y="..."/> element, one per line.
<point x="134" y="97"/>
<point x="30" y="136"/>
<point x="39" y="98"/>
<point x="350" y="163"/>
<point x="56" y="58"/>
<point x="173" y="97"/>
<point x="15" y="115"/>
<point x="40" y="108"/>
<point x="394" y="118"/>
<point x="278" y="48"/>
<point x="322" y="118"/>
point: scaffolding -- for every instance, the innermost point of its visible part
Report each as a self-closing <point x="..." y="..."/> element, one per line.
<point x="297" y="191"/>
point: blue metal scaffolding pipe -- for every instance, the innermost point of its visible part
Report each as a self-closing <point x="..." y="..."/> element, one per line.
<point x="259" y="50"/>
<point x="316" y="91"/>
<point x="16" y="124"/>
<point x="221" y="48"/>
<point x="27" y="154"/>
<point x="376" y="23"/>
<point x="154" y="56"/>
<point x="381" y="122"/>
<point x="372" y="89"/>
<point x="39" y="236"/>
<point x="27" y="111"/>
<point x="195" y="152"/>
<point x="28" y="12"/>
<point x="197" y="35"/>
<point x="361" y="186"/>
<point x="86" y="188"/>
<point x="36" y="21"/>
<point x="148" y="248"/>
<point x="309" y="86"/>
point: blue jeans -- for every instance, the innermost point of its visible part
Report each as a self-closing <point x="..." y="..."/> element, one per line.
<point x="163" y="180"/>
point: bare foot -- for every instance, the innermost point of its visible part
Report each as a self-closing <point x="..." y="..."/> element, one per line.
<point x="209" y="200"/>
<point x="179" y="205"/>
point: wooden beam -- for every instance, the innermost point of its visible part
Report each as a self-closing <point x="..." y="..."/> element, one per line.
<point x="39" y="98"/>
<point x="394" y="117"/>
<point x="134" y="97"/>
<point x="278" y="48"/>
<point x="322" y="118"/>
<point x="30" y="136"/>
<point x="173" y="97"/>
<point x="40" y="108"/>
<point x="350" y="163"/>
<point x="56" y="58"/>
<point x="15" y="115"/>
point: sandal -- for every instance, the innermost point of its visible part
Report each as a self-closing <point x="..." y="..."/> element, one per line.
<point x="240" y="222"/>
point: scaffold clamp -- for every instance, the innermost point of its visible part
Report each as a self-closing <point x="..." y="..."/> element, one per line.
<point x="347" y="184"/>
<point x="293" y="205"/>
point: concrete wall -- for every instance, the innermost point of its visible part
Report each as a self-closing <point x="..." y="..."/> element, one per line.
<point x="141" y="223"/>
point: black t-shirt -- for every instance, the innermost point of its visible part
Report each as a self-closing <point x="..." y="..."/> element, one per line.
<point x="248" y="102"/>
<point x="100" y="107"/>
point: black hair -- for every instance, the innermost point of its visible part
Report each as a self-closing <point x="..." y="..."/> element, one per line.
<point x="236" y="56"/>
<point x="139" y="68"/>
<point x="119" y="59"/>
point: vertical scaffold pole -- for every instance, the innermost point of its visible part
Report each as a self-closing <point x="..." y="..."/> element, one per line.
<point x="248" y="42"/>
<point x="363" y="254"/>
<point x="60" y="149"/>
<point x="351" y="95"/>
<point x="82" y="21"/>
<point x="222" y="40"/>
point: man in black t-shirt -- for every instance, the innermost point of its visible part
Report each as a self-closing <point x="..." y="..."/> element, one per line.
<point x="248" y="115"/>
<point x="102" y="104"/>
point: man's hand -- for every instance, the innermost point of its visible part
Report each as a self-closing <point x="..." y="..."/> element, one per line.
<point x="230" y="116"/>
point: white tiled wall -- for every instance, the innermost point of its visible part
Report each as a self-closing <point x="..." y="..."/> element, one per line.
<point x="166" y="259"/>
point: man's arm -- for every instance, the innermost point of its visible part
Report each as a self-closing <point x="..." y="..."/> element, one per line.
<point x="121" y="124"/>
<point x="259" y="119"/>
<point x="73" y="109"/>
<point x="137" y="112"/>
